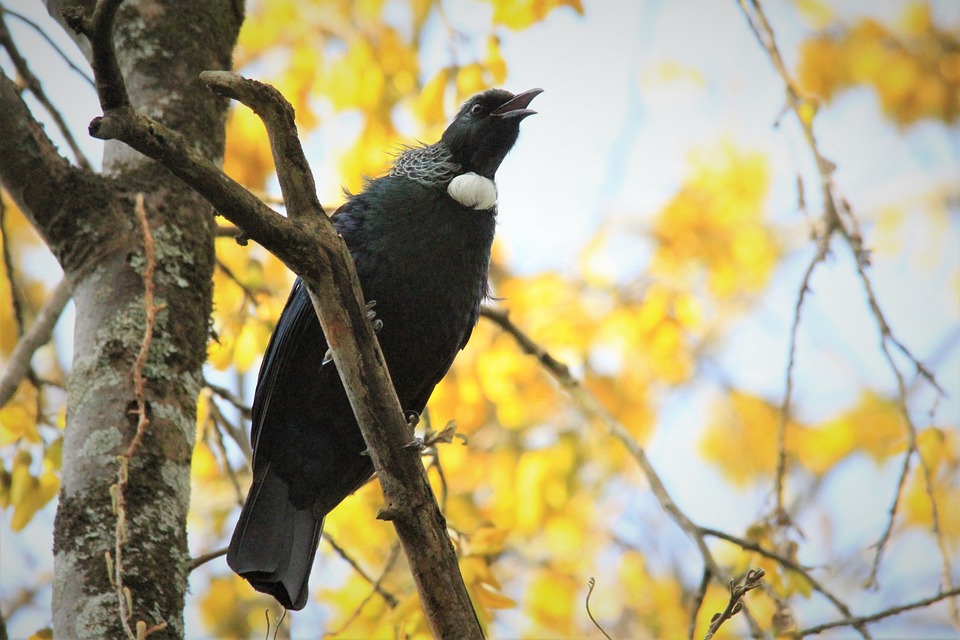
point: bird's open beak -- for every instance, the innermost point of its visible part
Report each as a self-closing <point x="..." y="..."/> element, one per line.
<point x="516" y="107"/>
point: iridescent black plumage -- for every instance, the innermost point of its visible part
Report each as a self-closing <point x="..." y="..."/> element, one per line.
<point x="423" y="257"/>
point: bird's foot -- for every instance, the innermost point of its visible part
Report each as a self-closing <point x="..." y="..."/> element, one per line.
<point x="372" y="316"/>
<point x="327" y="357"/>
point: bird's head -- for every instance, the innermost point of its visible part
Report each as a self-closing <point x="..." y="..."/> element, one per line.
<point x="486" y="128"/>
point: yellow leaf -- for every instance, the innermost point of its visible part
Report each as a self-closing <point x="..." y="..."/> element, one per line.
<point x="429" y="107"/>
<point x="521" y="14"/>
<point x="204" y="464"/>
<point x="18" y="418"/>
<point x="247" y="158"/>
<point x="470" y="80"/>
<point x="494" y="60"/>
<point x="819" y="14"/>
<point x="550" y="599"/>
<point x="492" y="599"/>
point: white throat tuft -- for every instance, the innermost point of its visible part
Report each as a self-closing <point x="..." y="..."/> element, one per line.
<point x="473" y="191"/>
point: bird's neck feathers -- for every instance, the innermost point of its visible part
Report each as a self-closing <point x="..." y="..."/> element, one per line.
<point x="433" y="166"/>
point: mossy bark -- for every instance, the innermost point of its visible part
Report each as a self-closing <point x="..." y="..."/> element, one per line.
<point x="88" y="221"/>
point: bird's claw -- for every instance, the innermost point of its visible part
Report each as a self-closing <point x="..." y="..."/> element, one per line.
<point x="372" y="316"/>
<point x="365" y="452"/>
<point x="327" y="357"/>
<point x="412" y="418"/>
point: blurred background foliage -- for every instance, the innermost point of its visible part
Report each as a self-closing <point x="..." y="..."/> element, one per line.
<point x="538" y="498"/>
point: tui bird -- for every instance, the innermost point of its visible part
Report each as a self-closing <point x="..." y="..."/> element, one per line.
<point x="420" y="237"/>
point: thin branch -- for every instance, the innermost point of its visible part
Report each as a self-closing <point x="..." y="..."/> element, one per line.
<point x="591" y="583"/>
<point x="787" y="563"/>
<point x="42" y="182"/>
<point x="588" y="404"/>
<point x="216" y="419"/>
<point x="18" y="366"/>
<point x="751" y="581"/>
<point x="834" y="205"/>
<point x="53" y="45"/>
<point x="823" y="247"/>
<point x="111" y="88"/>
<point x="880" y="615"/>
<point x="230" y="397"/>
<point x="391" y="559"/>
<point x="388" y="597"/>
<point x="698" y="603"/>
<point x="36" y="88"/>
<point x="205" y="558"/>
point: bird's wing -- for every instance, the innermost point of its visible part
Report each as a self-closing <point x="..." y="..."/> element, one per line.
<point x="297" y="327"/>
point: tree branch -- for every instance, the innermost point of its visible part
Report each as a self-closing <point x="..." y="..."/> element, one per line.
<point x="18" y="366"/>
<point x="36" y="88"/>
<point x="886" y="613"/>
<point x="67" y="60"/>
<point x="307" y="243"/>
<point x="833" y="206"/>
<point x="30" y="167"/>
<point x="592" y="408"/>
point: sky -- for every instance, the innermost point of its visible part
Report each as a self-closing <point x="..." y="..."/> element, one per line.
<point x="612" y="141"/>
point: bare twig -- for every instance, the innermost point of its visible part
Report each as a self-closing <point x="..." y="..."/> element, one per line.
<point x="789" y="564"/>
<point x="698" y="603"/>
<point x="588" y="404"/>
<point x="53" y="45"/>
<point x="823" y="247"/>
<point x="216" y="420"/>
<point x="230" y="397"/>
<point x="751" y="581"/>
<point x="376" y="589"/>
<point x="18" y="366"/>
<point x="886" y="613"/>
<point x="390" y="599"/>
<point x="834" y="206"/>
<point x="36" y="88"/>
<point x="591" y="583"/>
<point x="206" y="557"/>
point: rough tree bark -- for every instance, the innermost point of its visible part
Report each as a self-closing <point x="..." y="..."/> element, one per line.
<point x="88" y="222"/>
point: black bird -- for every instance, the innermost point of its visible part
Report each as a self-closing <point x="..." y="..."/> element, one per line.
<point x="420" y="237"/>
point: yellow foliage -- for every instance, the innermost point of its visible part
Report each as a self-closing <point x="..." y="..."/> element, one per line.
<point x="915" y="72"/>
<point x="715" y="224"/>
<point x="247" y="157"/>
<point x="18" y="418"/>
<point x="430" y="105"/>
<point x="27" y="493"/>
<point x="368" y="156"/>
<point x="742" y="439"/>
<point x="521" y="14"/>
<point x="231" y="609"/>
<point x="551" y="601"/>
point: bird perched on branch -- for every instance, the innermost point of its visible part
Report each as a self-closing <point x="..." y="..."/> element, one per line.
<point x="420" y="237"/>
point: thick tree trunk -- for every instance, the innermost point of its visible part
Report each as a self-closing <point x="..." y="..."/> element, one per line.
<point x="89" y="223"/>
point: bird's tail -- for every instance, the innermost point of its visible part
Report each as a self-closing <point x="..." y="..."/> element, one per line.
<point x="274" y="543"/>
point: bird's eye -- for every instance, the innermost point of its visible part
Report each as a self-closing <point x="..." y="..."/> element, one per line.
<point x="476" y="109"/>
